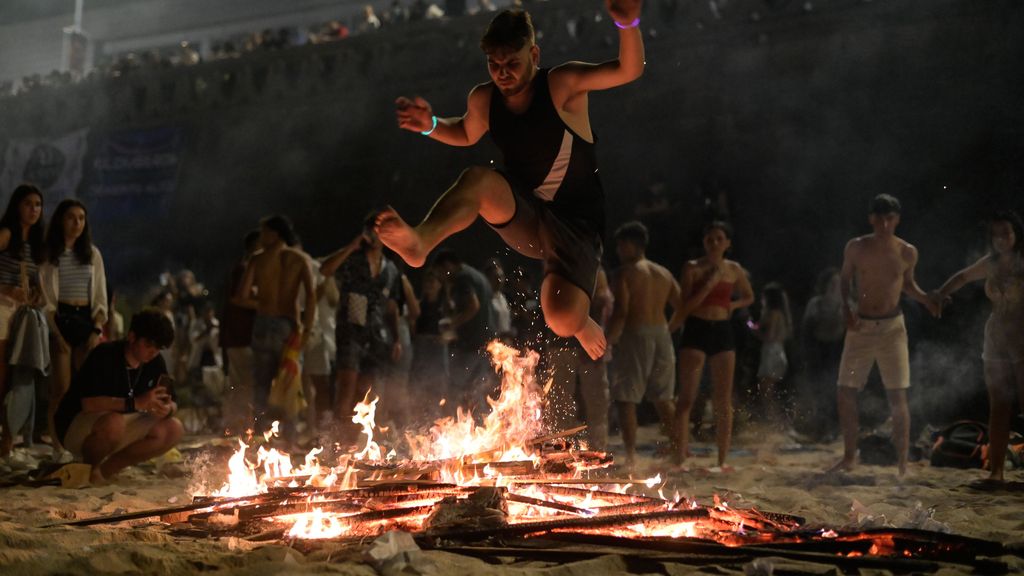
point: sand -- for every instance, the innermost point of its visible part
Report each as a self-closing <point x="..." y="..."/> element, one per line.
<point x="787" y="480"/>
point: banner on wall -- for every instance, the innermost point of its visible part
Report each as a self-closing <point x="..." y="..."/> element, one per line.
<point x="52" y="164"/>
<point x="134" y="172"/>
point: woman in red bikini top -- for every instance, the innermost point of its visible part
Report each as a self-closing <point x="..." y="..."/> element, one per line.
<point x="707" y="286"/>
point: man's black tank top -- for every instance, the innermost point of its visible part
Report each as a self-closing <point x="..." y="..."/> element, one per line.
<point x="545" y="156"/>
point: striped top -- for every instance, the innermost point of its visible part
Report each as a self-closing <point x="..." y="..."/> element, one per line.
<point x="544" y="155"/>
<point x="10" y="267"/>
<point x="74" y="279"/>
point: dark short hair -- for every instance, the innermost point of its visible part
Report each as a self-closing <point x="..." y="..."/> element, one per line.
<point x="774" y="295"/>
<point x="633" y="231"/>
<point x="251" y="241"/>
<point x="509" y="30"/>
<point x="447" y="256"/>
<point x="885" y="204"/>
<point x="153" y="325"/>
<point x="282" y="225"/>
<point x="824" y="277"/>
<point x="718" y="225"/>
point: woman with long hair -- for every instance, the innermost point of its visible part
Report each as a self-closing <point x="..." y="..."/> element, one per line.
<point x="74" y="286"/>
<point x="774" y="329"/>
<point x="21" y="252"/>
<point x="821" y="334"/>
<point x="1002" y="269"/>
<point x="707" y="286"/>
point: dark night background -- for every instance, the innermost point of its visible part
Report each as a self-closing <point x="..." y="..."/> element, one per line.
<point x="784" y="119"/>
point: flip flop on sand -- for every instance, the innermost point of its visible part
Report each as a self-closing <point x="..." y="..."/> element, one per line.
<point x="74" y="475"/>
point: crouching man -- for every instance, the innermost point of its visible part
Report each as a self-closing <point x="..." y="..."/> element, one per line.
<point x="117" y="411"/>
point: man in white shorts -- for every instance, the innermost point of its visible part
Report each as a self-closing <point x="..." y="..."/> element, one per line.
<point x="881" y="266"/>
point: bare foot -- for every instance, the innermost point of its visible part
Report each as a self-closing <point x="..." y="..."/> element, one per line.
<point x="844" y="465"/>
<point x="591" y="337"/>
<point x="630" y="463"/>
<point x="680" y="456"/>
<point x="96" y="477"/>
<point x="403" y="239"/>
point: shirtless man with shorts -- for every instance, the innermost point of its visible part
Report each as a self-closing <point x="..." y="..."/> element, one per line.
<point x="643" y="361"/>
<point x="879" y="267"/>
<point x="273" y="284"/>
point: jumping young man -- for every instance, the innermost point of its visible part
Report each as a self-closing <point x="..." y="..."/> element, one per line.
<point x="547" y="202"/>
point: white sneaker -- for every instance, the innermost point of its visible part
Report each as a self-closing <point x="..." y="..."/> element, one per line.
<point x="62" y="456"/>
<point x="22" y="460"/>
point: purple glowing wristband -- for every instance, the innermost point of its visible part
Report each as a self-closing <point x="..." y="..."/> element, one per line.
<point x="633" y="24"/>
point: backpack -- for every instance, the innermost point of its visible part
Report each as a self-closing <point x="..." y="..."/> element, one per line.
<point x="962" y="444"/>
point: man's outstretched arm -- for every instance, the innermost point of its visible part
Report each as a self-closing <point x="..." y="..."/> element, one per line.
<point x="583" y="77"/>
<point x="416" y="115"/>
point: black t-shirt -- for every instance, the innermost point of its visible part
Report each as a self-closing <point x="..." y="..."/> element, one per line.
<point x="106" y="373"/>
<point x="480" y="328"/>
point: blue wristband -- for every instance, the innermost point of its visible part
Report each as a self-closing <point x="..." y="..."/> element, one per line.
<point x="432" y="128"/>
<point x="633" y="24"/>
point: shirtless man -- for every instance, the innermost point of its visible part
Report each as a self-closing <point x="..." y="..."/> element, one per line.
<point x="643" y="361"/>
<point x="547" y="203"/>
<point x="274" y="282"/>
<point x="881" y="267"/>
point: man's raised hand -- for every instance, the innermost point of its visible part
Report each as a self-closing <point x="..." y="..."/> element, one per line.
<point x="414" y="115"/>
<point x="624" y="12"/>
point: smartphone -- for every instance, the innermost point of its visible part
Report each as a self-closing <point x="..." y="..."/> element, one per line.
<point x="166" y="381"/>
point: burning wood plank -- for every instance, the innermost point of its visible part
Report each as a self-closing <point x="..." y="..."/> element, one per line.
<point x="584" y="492"/>
<point x="262" y="511"/>
<point x="666" y="516"/>
<point x="549" y="504"/>
<point x="556" y="435"/>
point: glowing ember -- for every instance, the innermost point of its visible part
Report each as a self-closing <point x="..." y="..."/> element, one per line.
<point x="316" y="525"/>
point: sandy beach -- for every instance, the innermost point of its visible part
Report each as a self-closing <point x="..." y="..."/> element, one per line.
<point x="788" y="480"/>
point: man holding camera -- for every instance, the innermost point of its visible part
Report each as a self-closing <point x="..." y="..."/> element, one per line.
<point x="119" y="410"/>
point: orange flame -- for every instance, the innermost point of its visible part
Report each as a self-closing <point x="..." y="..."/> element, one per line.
<point x="316" y="525"/>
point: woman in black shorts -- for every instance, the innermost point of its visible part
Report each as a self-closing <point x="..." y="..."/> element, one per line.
<point x="74" y="285"/>
<point x="708" y="285"/>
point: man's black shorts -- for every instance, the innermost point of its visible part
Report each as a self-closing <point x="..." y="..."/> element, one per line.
<point x="569" y="248"/>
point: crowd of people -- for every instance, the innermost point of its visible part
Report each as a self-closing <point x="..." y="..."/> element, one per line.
<point x="187" y="53"/>
<point x="304" y="339"/>
<point x="360" y="323"/>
